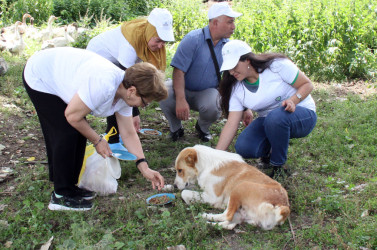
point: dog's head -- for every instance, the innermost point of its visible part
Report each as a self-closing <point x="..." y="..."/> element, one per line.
<point x="185" y="166"/>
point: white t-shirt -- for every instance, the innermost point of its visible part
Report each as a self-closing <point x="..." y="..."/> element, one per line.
<point x="66" y="71"/>
<point x="275" y="86"/>
<point x="113" y="46"/>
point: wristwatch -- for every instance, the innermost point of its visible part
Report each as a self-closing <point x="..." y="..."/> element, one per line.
<point x="299" y="96"/>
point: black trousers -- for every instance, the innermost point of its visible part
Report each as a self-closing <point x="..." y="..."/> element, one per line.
<point x="112" y="122"/>
<point x="64" y="144"/>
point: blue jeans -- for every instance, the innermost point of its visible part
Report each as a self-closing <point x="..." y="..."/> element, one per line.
<point x="269" y="136"/>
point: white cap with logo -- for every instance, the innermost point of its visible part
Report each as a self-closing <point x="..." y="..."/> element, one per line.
<point x="232" y="51"/>
<point x="163" y="21"/>
<point x="220" y="9"/>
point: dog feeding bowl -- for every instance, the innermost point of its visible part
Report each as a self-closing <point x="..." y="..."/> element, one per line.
<point x="160" y="199"/>
<point x="148" y="131"/>
<point x="123" y="155"/>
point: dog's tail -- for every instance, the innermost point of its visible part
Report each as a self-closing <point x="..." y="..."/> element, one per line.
<point x="271" y="215"/>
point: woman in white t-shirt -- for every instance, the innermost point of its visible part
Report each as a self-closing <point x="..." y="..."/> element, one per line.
<point x="65" y="85"/>
<point x="141" y="39"/>
<point x="271" y="85"/>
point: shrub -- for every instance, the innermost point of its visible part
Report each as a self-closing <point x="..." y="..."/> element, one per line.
<point x="13" y="11"/>
<point x="121" y="10"/>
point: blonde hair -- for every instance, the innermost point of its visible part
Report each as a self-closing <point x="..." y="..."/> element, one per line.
<point x="148" y="81"/>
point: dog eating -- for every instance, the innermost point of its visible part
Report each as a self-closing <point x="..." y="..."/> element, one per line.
<point x="228" y="182"/>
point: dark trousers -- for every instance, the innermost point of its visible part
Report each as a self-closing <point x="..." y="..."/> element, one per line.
<point x="64" y="144"/>
<point x="112" y="122"/>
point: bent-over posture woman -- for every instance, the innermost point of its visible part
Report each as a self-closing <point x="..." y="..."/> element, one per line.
<point x="65" y="85"/>
<point x="271" y="85"/>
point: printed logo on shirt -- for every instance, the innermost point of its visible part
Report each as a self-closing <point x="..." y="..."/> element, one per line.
<point x="278" y="99"/>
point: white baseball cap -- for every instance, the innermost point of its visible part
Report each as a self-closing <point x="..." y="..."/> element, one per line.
<point x="163" y="21"/>
<point x="232" y="51"/>
<point x="219" y="9"/>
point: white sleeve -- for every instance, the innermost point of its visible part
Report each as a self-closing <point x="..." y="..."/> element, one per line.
<point x="123" y="109"/>
<point x="287" y="70"/>
<point x="96" y="93"/>
<point x="235" y="103"/>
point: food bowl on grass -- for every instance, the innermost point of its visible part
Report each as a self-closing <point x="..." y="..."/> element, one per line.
<point x="149" y="131"/>
<point x="160" y="199"/>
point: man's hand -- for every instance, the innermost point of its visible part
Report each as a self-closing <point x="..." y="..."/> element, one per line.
<point x="182" y="109"/>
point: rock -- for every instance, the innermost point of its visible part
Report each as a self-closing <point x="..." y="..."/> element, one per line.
<point x="1" y="148"/>
<point x="178" y="247"/>
<point x="3" y="66"/>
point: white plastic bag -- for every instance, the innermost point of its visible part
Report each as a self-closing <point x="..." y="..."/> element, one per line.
<point x="100" y="174"/>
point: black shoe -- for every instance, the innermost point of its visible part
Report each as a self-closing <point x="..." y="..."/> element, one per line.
<point x="85" y="194"/>
<point x="66" y="203"/>
<point x="177" y="134"/>
<point x="202" y="136"/>
<point x="280" y="172"/>
<point x="263" y="163"/>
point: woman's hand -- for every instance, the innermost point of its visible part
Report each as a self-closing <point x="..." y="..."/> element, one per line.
<point x="152" y="175"/>
<point x="289" y="105"/>
<point x="103" y="148"/>
<point x="247" y="117"/>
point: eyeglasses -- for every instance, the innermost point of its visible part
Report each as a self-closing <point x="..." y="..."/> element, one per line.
<point x="144" y="102"/>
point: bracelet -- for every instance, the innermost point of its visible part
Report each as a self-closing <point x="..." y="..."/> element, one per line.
<point x="100" y="139"/>
<point x="140" y="161"/>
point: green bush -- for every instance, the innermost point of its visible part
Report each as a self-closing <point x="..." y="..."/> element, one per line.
<point x="330" y="40"/>
<point x="121" y="10"/>
<point x="13" y="11"/>
<point x="72" y="10"/>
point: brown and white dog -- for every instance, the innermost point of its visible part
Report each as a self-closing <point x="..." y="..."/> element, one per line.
<point x="227" y="181"/>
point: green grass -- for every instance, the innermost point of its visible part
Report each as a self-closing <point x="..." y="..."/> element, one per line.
<point x="328" y="165"/>
<point x="333" y="185"/>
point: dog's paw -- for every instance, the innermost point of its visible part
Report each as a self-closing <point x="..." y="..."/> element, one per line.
<point x="212" y="217"/>
<point x="205" y="216"/>
<point x="168" y="188"/>
<point x="187" y="196"/>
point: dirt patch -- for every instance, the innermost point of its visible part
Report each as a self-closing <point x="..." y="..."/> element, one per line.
<point x="340" y="91"/>
<point x="21" y="141"/>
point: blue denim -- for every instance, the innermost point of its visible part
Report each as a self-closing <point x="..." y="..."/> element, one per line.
<point x="269" y="136"/>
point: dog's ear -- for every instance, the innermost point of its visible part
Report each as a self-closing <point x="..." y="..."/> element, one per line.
<point x="284" y="212"/>
<point x="191" y="157"/>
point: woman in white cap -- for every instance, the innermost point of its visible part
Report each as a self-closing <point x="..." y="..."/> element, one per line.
<point x="271" y="85"/>
<point x="135" y="41"/>
<point x="65" y="85"/>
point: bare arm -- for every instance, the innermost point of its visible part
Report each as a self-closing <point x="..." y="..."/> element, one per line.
<point x="229" y="130"/>
<point x="75" y="114"/>
<point x="304" y="87"/>
<point x="182" y="108"/>
<point x="132" y="142"/>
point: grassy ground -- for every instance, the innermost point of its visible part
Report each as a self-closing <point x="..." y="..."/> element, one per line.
<point x="332" y="191"/>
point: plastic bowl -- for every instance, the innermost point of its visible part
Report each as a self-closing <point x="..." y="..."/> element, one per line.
<point x="152" y="199"/>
